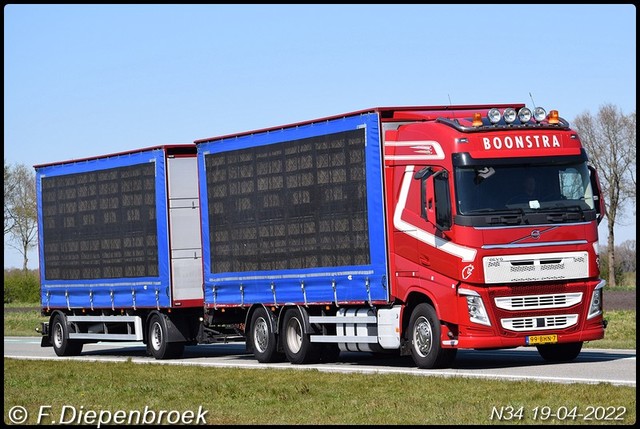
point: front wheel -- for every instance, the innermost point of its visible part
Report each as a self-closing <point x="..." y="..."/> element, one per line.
<point x="560" y="352"/>
<point x="157" y="344"/>
<point x="62" y="345"/>
<point x="424" y="337"/>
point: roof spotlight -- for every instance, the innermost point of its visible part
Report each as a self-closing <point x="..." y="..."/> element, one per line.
<point x="524" y="115"/>
<point x="494" y="116"/>
<point x="539" y="114"/>
<point x="509" y="115"/>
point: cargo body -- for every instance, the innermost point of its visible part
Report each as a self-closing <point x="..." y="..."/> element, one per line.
<point x="397" y="230"/>
<point x="119" y="239"/>
<point x="295" y="216"/>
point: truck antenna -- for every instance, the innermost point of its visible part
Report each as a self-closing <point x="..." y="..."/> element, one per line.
<point x="534" y="103"/>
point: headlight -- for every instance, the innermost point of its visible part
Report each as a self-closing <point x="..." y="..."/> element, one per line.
<point x="595" y="308"/>
<point x="475" y="307"/>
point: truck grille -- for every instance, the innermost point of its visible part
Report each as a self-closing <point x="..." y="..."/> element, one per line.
<point x="536" y="267"/>
<point x="539" y="323"/>
<point x="534" y="302"/>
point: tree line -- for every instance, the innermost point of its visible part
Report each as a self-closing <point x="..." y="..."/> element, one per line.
<point x="609" y="137"/>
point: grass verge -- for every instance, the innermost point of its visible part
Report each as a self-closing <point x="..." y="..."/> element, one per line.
<point x="73" y="390"/>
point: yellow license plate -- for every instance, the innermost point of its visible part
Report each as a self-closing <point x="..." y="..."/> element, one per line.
<point x="541" y="339"/>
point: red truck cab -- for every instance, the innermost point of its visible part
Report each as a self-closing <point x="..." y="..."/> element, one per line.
<point x="492" y="215"/>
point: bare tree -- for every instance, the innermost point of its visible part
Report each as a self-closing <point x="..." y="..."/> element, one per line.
<point x="610" y="141"/>
<point x="22" y="212"/>
<point x="632" y="158"/>
<point x="626" y="256"/>
<point x="9" y="192"/>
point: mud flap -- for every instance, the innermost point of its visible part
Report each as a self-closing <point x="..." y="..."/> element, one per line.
<point x="45" y="341"/>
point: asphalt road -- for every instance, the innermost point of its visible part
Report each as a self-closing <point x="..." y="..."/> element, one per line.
<point x="617" y="367"/>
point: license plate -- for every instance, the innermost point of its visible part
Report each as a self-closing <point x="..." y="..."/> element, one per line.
<point x="541" y="339"/>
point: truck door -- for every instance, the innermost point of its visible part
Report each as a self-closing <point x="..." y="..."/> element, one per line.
<point x="184" y="229"/>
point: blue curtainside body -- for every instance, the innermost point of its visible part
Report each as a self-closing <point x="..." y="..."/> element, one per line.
<point x="102" y="232"/>
<point x="294" y="215"/>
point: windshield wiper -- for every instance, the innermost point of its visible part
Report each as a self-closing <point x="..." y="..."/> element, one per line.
<point x="561" y="208"/>
<point x="496" y="211"/>
<point x="563" y="213"/>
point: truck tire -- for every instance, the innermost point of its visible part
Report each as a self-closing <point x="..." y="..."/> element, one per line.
<point x="296" y="344"/>
<point x="424" y="338"/>
<point x="62" y="345"/>
<point x="263" y="338"/>
<point x="560" y="352"/>
<point x="157" y="343"/>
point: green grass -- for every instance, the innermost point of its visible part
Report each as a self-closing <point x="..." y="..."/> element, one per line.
<point x="259" y="397"/>
<point x="620" y="332"/>
<point x="22" y="323"/>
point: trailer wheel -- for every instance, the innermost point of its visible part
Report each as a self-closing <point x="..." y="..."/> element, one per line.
<point x="263" y="338"/>
<point x="560" y="352"/>
<point x="424" y="337"/>
<point x="62" y="345"/>
<point x="157" y="340"/>
<point x="297" y="345"/>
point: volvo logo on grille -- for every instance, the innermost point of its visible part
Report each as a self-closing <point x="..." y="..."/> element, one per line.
<point x="535" y="234"/>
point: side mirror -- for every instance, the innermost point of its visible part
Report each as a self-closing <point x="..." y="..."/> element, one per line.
<point x="430" y="204"/>
<point x="598" y="199"/>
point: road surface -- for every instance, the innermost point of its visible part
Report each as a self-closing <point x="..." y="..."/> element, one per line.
<point x="617" y="367"/>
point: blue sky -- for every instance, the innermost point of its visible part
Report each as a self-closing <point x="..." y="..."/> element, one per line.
<point x="88" y="80"/>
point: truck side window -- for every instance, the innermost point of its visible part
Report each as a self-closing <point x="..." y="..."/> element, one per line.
<point x="441" y="197"/>
<point x="443" y="202"/>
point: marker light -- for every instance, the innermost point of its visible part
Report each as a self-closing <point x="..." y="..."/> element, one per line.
<point x="494" y="116"/>
<point x="509" y="115"/>
<point x="477" y="120"/>
<point x="553" y="118"/>
<point x="524" y="115"/>
<point x="539" y="114"/>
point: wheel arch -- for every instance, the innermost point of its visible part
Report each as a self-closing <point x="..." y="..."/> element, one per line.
<point x="173" y="327"/>
<point x="413" y="299"/>
<point x="303" y="313"/>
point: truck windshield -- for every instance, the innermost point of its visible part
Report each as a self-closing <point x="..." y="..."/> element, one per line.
<point x="523" y="188"/>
